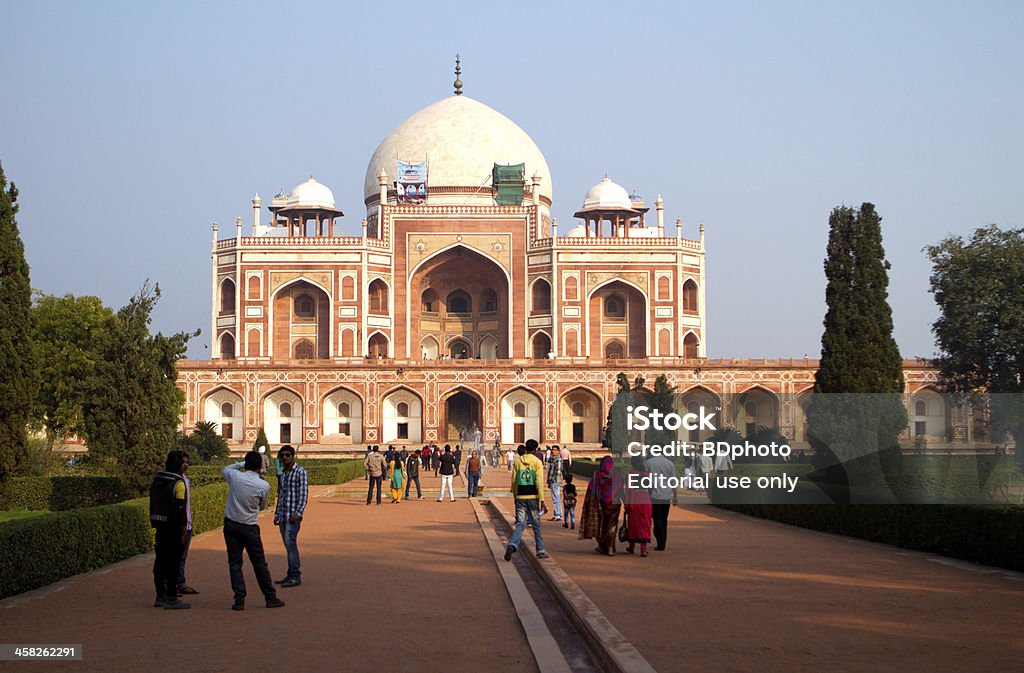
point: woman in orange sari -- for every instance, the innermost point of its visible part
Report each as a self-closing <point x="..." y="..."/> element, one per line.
<point x="600" y="516"/>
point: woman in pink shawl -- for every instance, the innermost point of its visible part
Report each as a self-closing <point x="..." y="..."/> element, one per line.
<point x="600" y="516"/>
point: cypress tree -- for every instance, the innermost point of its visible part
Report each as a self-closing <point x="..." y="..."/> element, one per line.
<point x="856" y="412"/>
<point x="18" y="382"/>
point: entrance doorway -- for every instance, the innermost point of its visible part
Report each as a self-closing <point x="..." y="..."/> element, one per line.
<point x="286" y="433"/>
<point x="462" y="414"/>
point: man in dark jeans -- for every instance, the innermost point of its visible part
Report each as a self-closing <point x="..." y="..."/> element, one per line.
<point x="374" y="465"/>
<point x="412" y="473"/>
<point x="247" y="495"/>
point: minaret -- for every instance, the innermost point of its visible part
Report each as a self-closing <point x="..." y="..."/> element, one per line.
<point x="659" y="205"/>
<point x="458" y="72"/>
<point x="256" y="203"/>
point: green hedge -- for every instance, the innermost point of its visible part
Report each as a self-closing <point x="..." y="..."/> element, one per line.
<point x="61" y="493"/>
<point x="39" y="550"/>
<point x="987" y="534"/>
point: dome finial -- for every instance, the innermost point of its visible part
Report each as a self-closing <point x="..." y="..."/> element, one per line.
<point x="458" y="71"/>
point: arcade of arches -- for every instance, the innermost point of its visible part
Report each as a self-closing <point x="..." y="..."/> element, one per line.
<point x="432" y="404"/>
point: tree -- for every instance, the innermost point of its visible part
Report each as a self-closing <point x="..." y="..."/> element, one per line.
<point x="67" y="333"/>
<point x="856" y="413"/>
<point x="261" y="440"/>
<point x="18" y="377"/>
<point x="979" y="287"/>
<point x="663" y="399"/>
<point x="132" y="403"/>
<point x="205" y="442"/>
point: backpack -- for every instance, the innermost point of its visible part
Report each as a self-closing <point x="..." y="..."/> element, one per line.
<point x="526" y="476"/>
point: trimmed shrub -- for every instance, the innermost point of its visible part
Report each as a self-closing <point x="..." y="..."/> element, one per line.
<point x="61" y="493"/>
<point x="38" y="550"/>
<point x="987" y="534"/>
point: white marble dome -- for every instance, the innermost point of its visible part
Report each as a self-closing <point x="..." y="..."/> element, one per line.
<point x="311" y="194"/>
<point x="460" y="139"/>
<point x="578" y="231"/>
<point x="607" y="195"/>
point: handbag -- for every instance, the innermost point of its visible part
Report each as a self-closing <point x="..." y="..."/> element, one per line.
<point x="623" y="531"/>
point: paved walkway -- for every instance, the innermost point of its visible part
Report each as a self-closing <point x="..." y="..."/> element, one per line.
<point x="414" y="587"/>
<point x="734" y="593"/>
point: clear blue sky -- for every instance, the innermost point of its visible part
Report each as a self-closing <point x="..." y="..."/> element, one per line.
<point x="129" y="127"/>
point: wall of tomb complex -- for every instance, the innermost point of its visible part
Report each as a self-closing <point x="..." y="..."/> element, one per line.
<point x="412" y="402"/>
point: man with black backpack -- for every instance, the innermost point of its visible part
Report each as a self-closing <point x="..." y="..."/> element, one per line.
<point x="167" y="514"/>
<point x="528" y="489"/>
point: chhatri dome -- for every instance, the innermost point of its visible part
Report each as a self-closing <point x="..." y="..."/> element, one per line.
<point x="607" y="195"/>
<point x="310" y="194"/>
<point x="460" y="139"/>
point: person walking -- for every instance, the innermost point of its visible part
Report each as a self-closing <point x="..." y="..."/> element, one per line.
<point x="247" y="495"/>
<point x="412" y="474"/>
<point x="638" y="510"/>
<point x="435" y="461"/>
<point x="662" y="470"/>
<point x="446" y="465"/>
<point x="292" y="497"/>
<point x="473" y="470"/>
<point x="528" y="490"/>
<point x="569" y="502"/>
<point x="397" y="470"/>
<point x="554" y="481"/>
<point x="457" y="454"/>
<point x="601" y="506"/>
<point x="374" y="464"/>
<point x="167" y="516"/>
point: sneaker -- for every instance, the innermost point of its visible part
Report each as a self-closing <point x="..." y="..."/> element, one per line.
<point x="161" y="601"/>
<point x="556" y="518"/>
<point x="176" y="605"/>
<point x="275" y="603"/>
<point x="291" y="582"/>
<point x="565" y="525"/>
<point x="238" y="605"/>
<point x="543" y="554"/>
<point x="281" y="581"/>
<point x="509" y="550"/>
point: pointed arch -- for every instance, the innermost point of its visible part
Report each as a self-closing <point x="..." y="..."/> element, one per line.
<point x="691" y="345"/>
<point x="408" y="426"/>
<point x="226" y="346"/>
<point x="231" y="425"/>
<point x="378" y="294"/>
<point x="581" y="415"/>
<point x="342" y="415"/>
<point x="283" y="410"/>
<point x="540" y="344"/>
<point x="521" y="415"/>
<point x="279" y="314"/>
<point x="378" y="345"/>
<point x="690" y="297"/>
<point x="228" y="293"/>
<point x="540" y="297"/>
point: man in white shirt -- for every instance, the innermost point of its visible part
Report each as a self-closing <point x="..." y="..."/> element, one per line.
<point x="661" y="468"/>
<point x="247" y="495"/>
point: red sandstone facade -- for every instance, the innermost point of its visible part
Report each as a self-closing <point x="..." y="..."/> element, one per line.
<point x="331" y="342"/>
